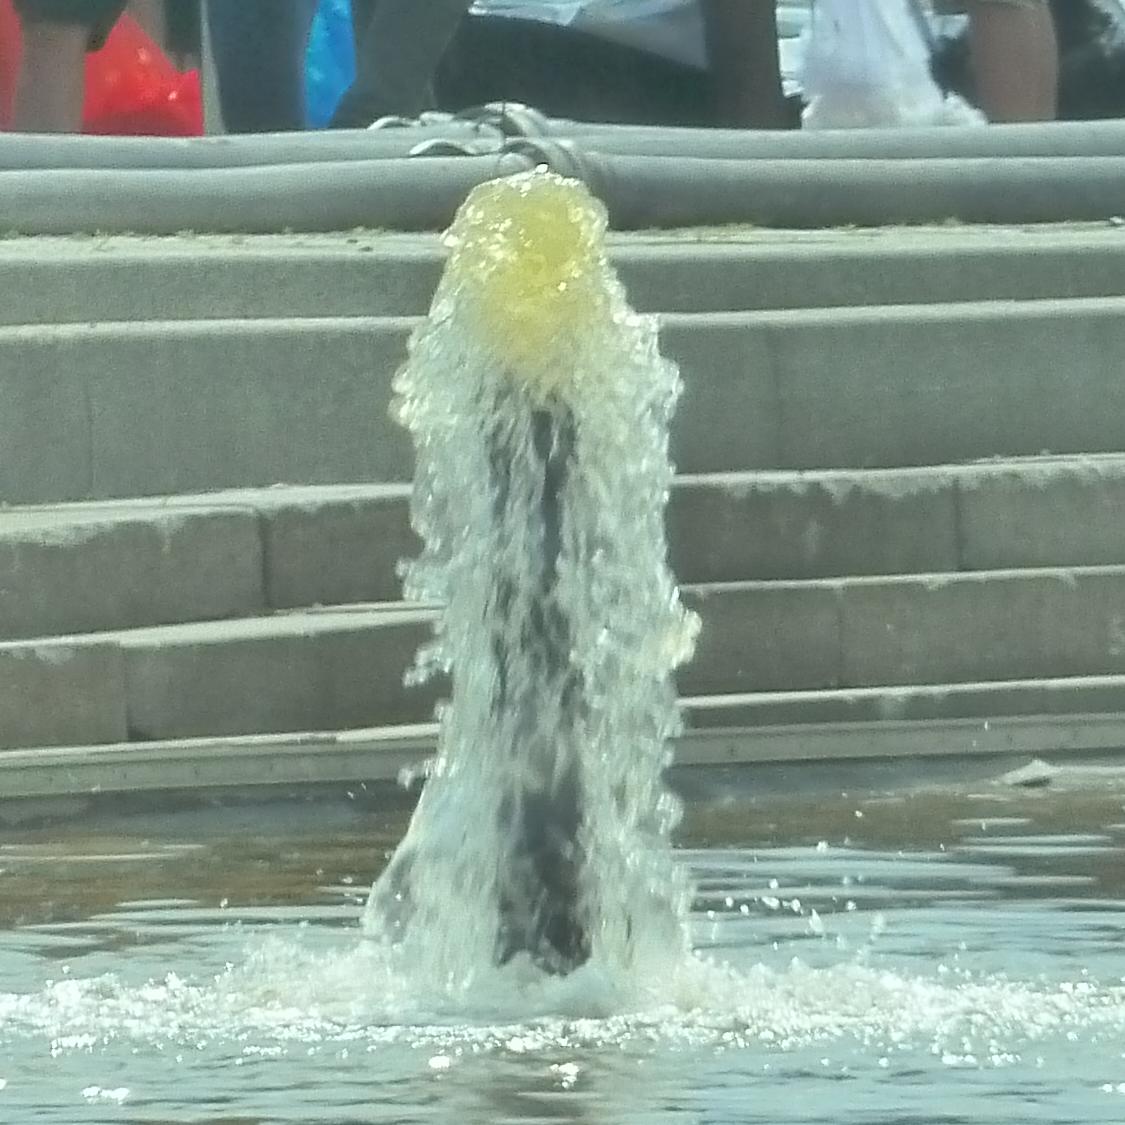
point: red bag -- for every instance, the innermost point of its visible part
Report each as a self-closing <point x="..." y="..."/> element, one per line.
<point x="132" y="89"/>
<point x="131" y="86"/>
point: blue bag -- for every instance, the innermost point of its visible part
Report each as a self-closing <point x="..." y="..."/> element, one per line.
<point x="330" y="62"/>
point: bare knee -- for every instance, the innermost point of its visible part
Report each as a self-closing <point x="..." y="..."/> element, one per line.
<point x="1015" y="56"/>
<point x="52" y="75"/>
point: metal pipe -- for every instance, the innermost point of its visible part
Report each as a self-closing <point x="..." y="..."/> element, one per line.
<point x="640" y="191"/>
<point x="396" y="194"/>
<point x="662" y="192"/>
<point x="1054" y="139"/>
<point x="484" y="131"/>
<point x="29" y="152"/>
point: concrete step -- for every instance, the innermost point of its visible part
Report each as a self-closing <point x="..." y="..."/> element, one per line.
<point x="984" y="701"/>
<point x="80" y="568"/>
<point x="326" y="670"/>
<point x="365" y="273"/>
<point x="343" y="668"/>
<point x="709" y="763"/>
<point x="114" y="565"/>
<point x="249" y="403"/>
<point x="905" y="630"/>
<point x="56" y="693"/>
<point x="989" y="515"/>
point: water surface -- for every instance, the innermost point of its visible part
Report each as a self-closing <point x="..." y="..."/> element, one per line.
<point x="921" y="959"/>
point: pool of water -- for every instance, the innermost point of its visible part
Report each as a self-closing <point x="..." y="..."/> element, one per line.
<point x="921" y="959"/>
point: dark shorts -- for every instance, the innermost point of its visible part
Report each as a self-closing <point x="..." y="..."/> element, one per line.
<point x="97" y="16"/>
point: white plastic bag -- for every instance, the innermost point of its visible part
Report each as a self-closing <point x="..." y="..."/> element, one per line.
<point x="867" y="64"/>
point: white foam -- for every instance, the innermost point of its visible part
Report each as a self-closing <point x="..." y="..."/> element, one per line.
<point x="283" y="993"/>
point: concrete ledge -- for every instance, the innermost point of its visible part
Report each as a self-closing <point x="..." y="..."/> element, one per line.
<point x="68" y="571"/>
<point x="728" y="527"/>
<point x="59" y="693"/>
<point x="719" y="277"/>
<point x="329" y="670"/>
<point x="233" y="403"/>
<point x="381" y="754"/>
<point x="121" y="564"/>
<point x="911" y="386"/>
<point x="225" y="404"/>
<point x="985" y="701"/>
<point x="129" y="563"/>
<point x="340" y="552"/>
<point x="343" y="668"/>
<point x="110" y="565"/>
<point x="1046" y="512"/>
<point x="764" y="636"/>
<point x="154" y="281"/>
<point x="646" y="192"/>
<point x="485" y="132"/>
<point x="984" y="626"/>
<point x="257" y="760"/>
<point x="369" y="273"/>
<point x="916" y="629"/>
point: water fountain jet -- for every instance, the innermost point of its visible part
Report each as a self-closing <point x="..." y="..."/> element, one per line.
<point x="539" y="406"/>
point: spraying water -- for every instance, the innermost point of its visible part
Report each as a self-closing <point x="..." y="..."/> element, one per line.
<point x="539" y="406"/>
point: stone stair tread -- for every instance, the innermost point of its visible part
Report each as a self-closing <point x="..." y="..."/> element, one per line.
<point x="915" y="314"/>
<point x="344" y="666"/>
<point x="98" y="566"/>
<point x="907" y="749"/>
<point x="81" y="569"/>
<point x="725" y="240"/>
<point x="381" y="271"/>
<point x="252" y="498"/>
<point x="318" y="619"/>
<point x="908" y="630"/>
<point x="94" y="566"/>
<point x="916" y="702"/>
<point x="763" y="390"/>
<point x="1095" y="465"/>
<point x="744" y="698"/>
<point x="927" y="579"/>
<point x="189" y="328"/>
<point x="309" y="621"/>
<point x="1066" y="694"/>
<point x="894" y="480"/>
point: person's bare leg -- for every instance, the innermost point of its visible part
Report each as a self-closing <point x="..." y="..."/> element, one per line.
<point x="51" y="85"/>
<point x="745" y="69"/>
<point x="1016" y="60"/>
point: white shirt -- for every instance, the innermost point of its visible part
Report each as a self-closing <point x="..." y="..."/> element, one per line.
<point x="672" y="29"/>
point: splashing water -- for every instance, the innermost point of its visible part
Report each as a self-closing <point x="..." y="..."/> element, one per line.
<point x="539" y="406"/>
